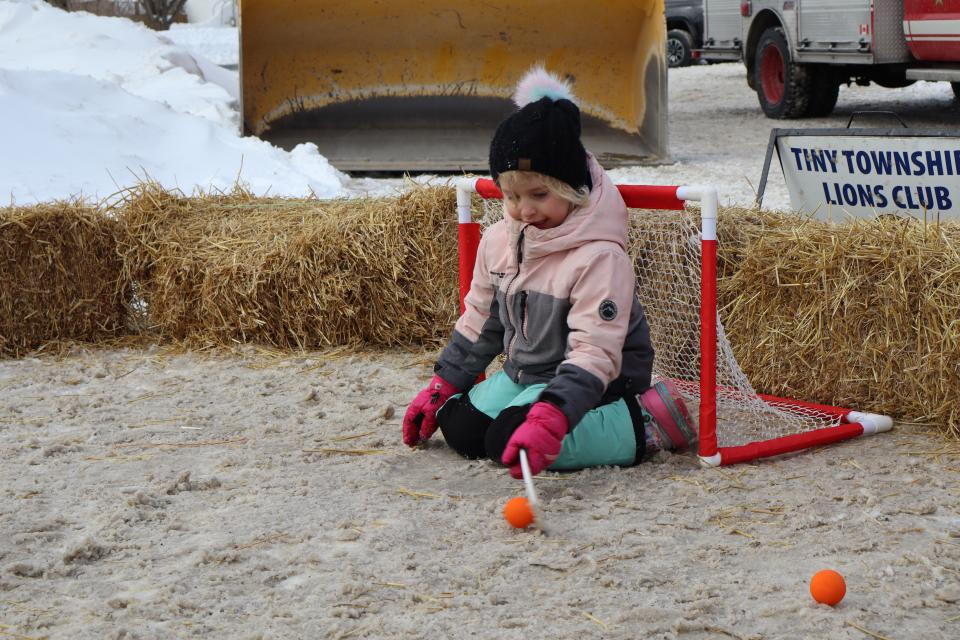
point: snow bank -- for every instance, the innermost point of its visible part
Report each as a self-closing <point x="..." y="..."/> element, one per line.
<point x="217" y="44"/>
<point x="91" y="104"/>
<point x="211" y="12"/>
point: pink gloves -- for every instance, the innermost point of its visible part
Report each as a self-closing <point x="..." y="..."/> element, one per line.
<point x="541" y="434"/>
<point x="420" y="421"/>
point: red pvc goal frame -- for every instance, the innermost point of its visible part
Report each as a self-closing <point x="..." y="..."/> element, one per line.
<point x="850" y="423"/>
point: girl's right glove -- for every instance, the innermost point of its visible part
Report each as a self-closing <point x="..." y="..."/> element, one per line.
<point x="541" y="434"/>
<point x="420" y="421"/>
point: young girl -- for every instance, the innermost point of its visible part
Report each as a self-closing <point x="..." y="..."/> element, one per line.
<point x="554" y="288"/>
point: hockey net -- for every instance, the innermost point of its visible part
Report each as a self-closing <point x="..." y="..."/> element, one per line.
<point x="672" y="248"/>
<point x="666" y="249"/>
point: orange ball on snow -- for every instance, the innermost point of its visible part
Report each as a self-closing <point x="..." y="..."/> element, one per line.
<point x="828" y="587"/>
<point x="518" y="513"/>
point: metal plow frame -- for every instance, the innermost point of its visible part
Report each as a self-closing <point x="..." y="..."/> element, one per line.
<point x="421" y="84"/>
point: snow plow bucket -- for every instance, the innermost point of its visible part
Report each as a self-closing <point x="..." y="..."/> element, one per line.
<point x="422" y="84"/>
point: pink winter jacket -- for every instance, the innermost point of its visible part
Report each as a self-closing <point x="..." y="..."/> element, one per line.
<point x="561" y="303"/>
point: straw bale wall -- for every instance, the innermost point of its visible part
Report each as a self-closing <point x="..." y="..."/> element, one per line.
<point x="60" y="277"/>
<point x="217" y="270"/>
<point x="865" y="314"/>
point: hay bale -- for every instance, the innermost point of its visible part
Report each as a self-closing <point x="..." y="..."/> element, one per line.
<point x="227" y="268"/>
<point x="860" y="314"/>
<point x="665" y="247"/>
<point x="60" y="277"/>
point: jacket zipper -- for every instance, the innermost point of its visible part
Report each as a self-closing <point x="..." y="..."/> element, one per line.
<point x="523" y="314"/>
<point x="506" y="295"/>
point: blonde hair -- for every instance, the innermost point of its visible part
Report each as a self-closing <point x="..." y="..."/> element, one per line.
<point x="577" y="197"/>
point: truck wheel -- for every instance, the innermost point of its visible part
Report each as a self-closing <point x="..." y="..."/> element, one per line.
<point x="824" y="89"/>
<point x="679" y="48"/>
<point x="783" y="87"/>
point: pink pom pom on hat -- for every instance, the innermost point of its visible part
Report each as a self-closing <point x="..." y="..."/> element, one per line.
<point x="544" y="134"/>
<point x="539" y="83"/>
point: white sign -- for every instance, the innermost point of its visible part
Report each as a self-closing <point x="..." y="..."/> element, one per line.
<point x="867" y="175"/>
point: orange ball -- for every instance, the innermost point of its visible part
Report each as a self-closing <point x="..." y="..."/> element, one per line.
<point x="828" y="587"/>
<point x="518" y="513"/>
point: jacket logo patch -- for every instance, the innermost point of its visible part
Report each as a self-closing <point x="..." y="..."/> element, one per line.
<point x="608" y="309"/>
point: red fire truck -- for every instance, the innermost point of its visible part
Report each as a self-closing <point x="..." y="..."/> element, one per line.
<point x="799" y="52"/>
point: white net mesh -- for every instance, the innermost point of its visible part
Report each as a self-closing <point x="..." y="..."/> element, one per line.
<point x="665" y="246"/>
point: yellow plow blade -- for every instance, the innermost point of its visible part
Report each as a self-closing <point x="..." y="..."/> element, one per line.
<point x="421" y="84"/>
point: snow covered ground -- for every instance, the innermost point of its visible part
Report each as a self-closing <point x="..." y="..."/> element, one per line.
<point x="719" y="136"/>
<point x="147" y="495"/>
<point x="153" y="494"/>
<point x="89" y="105"/>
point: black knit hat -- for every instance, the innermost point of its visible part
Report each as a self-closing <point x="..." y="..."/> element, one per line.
<point x="543" y="136"/>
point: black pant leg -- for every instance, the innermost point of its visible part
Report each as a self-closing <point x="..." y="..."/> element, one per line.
<point x="502" y="428"/>
<point x="464" y="427"/>
<point x="639" y="418"/>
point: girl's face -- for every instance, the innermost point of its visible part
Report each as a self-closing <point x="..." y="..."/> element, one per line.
<point x="528" y="200"/>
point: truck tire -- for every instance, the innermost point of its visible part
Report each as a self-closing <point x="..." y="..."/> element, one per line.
<point x="956" y="89"/>
<point x="783" y="87"/>
<point x="824" y="89"/>
<point x="679" y="48"/>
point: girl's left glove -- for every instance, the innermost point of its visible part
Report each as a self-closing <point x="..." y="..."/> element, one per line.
<point x="420" y="421"/>
<point x="541" y="434"/>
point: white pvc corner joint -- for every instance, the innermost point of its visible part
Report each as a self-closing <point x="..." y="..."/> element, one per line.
<point x="465" y="188"/>
<point x="871" y="422"/>
<point x="708" y="199"/>
<point x="710" y="461"/>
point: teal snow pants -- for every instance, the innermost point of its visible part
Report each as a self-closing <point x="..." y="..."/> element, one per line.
<point x="479" y="425"/>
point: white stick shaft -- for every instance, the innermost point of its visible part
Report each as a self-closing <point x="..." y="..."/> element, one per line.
<point x="527" y="477"/>
<point x="531" y="492"/>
